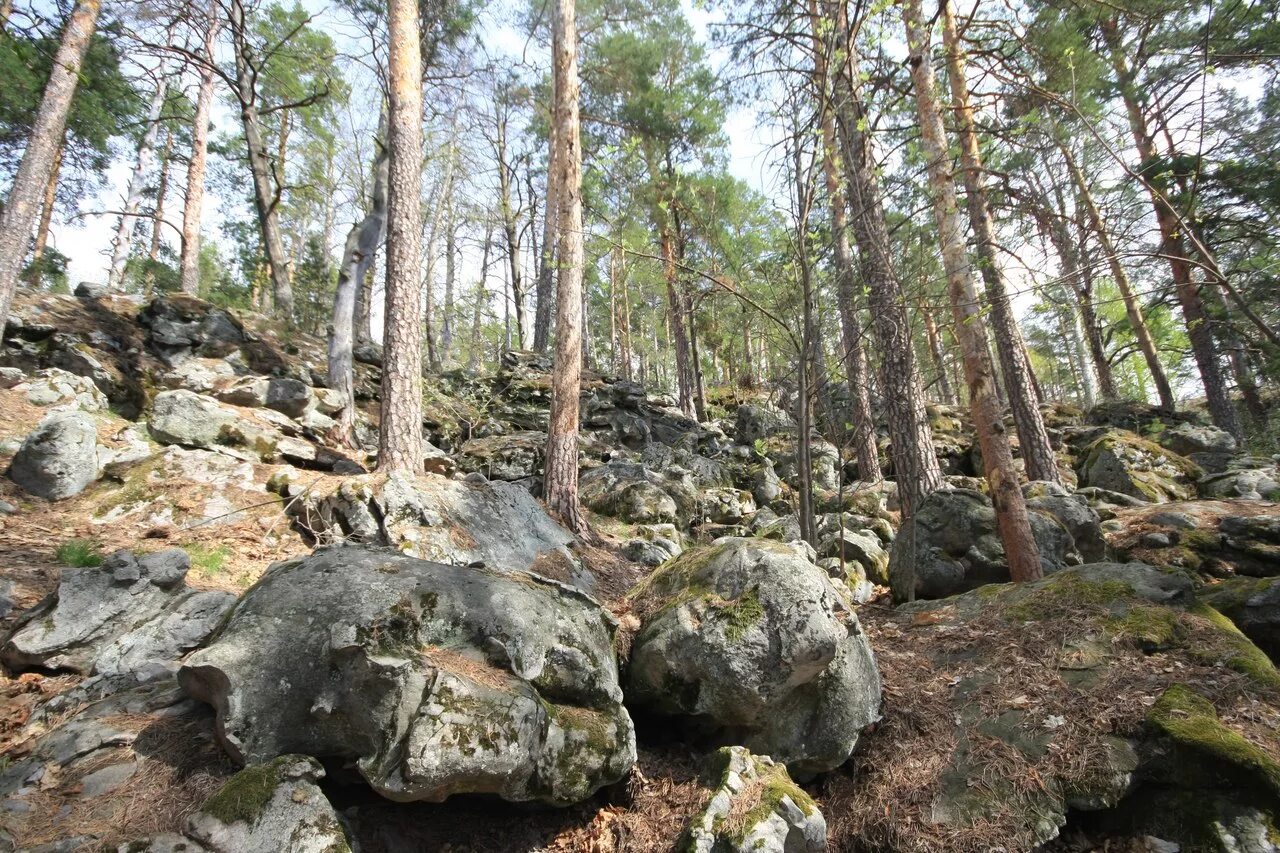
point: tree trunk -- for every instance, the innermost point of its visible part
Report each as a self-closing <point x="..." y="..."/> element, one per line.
<point x="1037" y="453"/>
<point x="20" y="210"/>
<point x="676" y="318"/>
<point x="1012" y="518"/>
<point x="123" y="240"/>
<point x="853" y="356"/>
<point x="450" y="273"/>
<point x="511" y="232"/>
<point x="265" y="197"/>
<point x="400" y="430"/>
<point x="1132" y="309"/>
<point x="1203" y="347"/>
<point x="157" y="218"/>
<point x="357" y="258"/>
<point x="192" y="209"/>
<point x="560" y="483"/>
<point x="473" y="358"/>
<point x="934" y="339"/>
<point x="546" y="259"/>
<point x="46" y="210"/>
<point x="915" y="463"/>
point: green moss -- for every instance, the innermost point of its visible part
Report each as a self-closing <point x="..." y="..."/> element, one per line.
<point x="741" y="614"/>
<point x="1239" y="653"/>
<point x="777" y="787"/>
<point x="80" y="553"/>
<point x="1065" y="592"/>
<point x="207" y="561"/>
<point x="246" y="794"/>
<point x="1191" y="721"/>
<point x="1152" y="628"/>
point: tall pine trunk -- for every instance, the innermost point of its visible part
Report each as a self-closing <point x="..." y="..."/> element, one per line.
<point x="46" y="208"/>
<point x="265" y="197"/>
<point x="853" y="355"/>
<point x="23" y="204"/>
<point x="357" y="258"/>
<point x="400" y="430"/>
<point x="1012" y="518"/>
<point x="543" y="287"/>
<point x="560" y="483"/>
<point x="1172" y="248"/>
<point x="123" y="240"/>
<point x="915" y="464"/>
<point x="157" y="217"/>
<point x="192" y="209"/>
<point x="1037" y="453"/>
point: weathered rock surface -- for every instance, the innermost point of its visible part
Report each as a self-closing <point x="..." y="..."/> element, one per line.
<point x="189" y="419"/>
<point x="952" y="544"/>
<point x="755" y="807"/>
<point x="433" y="517"/>
<point x="434" y="680"/>
<point x="56" y="387"/>
<point x="132" y="616"/>
<point x="59" y="458"/>
<point x="751" y="639"/>
<point x="1253" y="604"/>
<point x="1254" y="484"/>
<point x="1124" y="462"/>
<point x="631" y="492"/>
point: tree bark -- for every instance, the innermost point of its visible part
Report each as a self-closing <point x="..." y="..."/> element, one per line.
<point x="21" y="208"/>
<point x="193" y="207"/>
<point x="1012" y="518"/>
<point x="137" y="185"/>
<point x="46" y="209"/>
<point x="934" y="338"/>
<point x="915" y="463"/>
<point x="400" y="429"/>
<point x="1203" y="346"/>
<point x="265" y="197"/>
<point x="560" y="483"/>
<point x="863" y="430"/>
<point x="157" y="218"/>
<point x="473" y="358"/>
<point x="450" y="273"/>
<point x="543" y="293"/>
<point x="510" y="231"/>
<point x="676" y="318"/>
<point x="1037" y="453"/>
<point x="357" y="257"/>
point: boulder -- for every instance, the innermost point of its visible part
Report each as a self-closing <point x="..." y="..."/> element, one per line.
<point x="289" y="396"/>
<point x="862" y="547"/>
<point x="725" y="505"/>
<point x="56" y="387"/>
<point x="275" y="807"/>
<point x="752" y="423"/>
<point x="1124" y="462"/>
<point x="132" y="616"/>
<point x="247" y="391"/>
<point x="755" y="807"/>
<point x="1258" y="484"/>
<point x="749" y="639"/>
<point x="1186" y="439"/>
<point x="59" y="458"/>
<point x="434" y="517"/>
<point x="1074" y="513"/>
<point x="517" y="456"/>
<point x="1253" y="604"/>
<point x="189" y="419"/>
<point x="631" y="492"/>
<point x="952" y="544"/>
<point x="201" y="375"/>
<point x="180" y="326"/>
<point x="432" y="680"/>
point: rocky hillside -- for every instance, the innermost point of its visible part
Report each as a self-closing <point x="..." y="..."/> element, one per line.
<point x="221" y="632"/>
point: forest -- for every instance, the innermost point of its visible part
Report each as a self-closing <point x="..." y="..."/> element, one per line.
<point x="728" y="424"/>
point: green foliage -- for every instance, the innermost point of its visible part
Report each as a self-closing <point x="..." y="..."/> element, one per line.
<point x="79" y="553"/>
<point x="48" y="273"/>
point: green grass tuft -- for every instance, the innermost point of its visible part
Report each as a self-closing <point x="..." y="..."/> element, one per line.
<point x="80" y="553"/>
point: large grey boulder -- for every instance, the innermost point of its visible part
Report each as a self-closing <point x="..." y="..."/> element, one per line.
<point x="1074" y="513"/>
<point x="1254" y="484"/>
<point x="752" y="423"/>
<point x="189" y="419"/>
<point x="56" y="387"/>
<point x="289" y="396"/>
<point x="1253" y="604"/>
<point x="749" y="638"/>
<point x="1124" y="462"/>
<point x="59" y="458"/>
<point x="631" y="492"/>
<point x="436" y="518"/>
<point x="132" y="616"/>
<point x="432" y="680"/>
<point x="1187" y="439"/>
<point x="952" y="544"/>
<point x="755" y="808"/>
<point x="516" y="456"/>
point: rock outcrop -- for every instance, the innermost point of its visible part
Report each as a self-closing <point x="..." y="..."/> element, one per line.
<point x="1124" y="462"/>
<point x="749" y="638"/>
<point x="755" y="807"/>
<point x="59" y="458"/>
<point x="433" y="680"/>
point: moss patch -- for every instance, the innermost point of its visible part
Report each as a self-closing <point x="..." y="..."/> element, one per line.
<point x="1061" y="593"/>
<point x="246" y="794"/>
<point x="1191" y="721"/>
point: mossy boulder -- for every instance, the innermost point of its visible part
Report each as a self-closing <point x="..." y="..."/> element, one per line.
<point x="1124" y="462"/>
<point x="1253" y="604"/>
<point x="748" y="641"/>
<point x="631" y="492"/>
<point x="755" y="807"/>
<point x="431" y="680"/>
